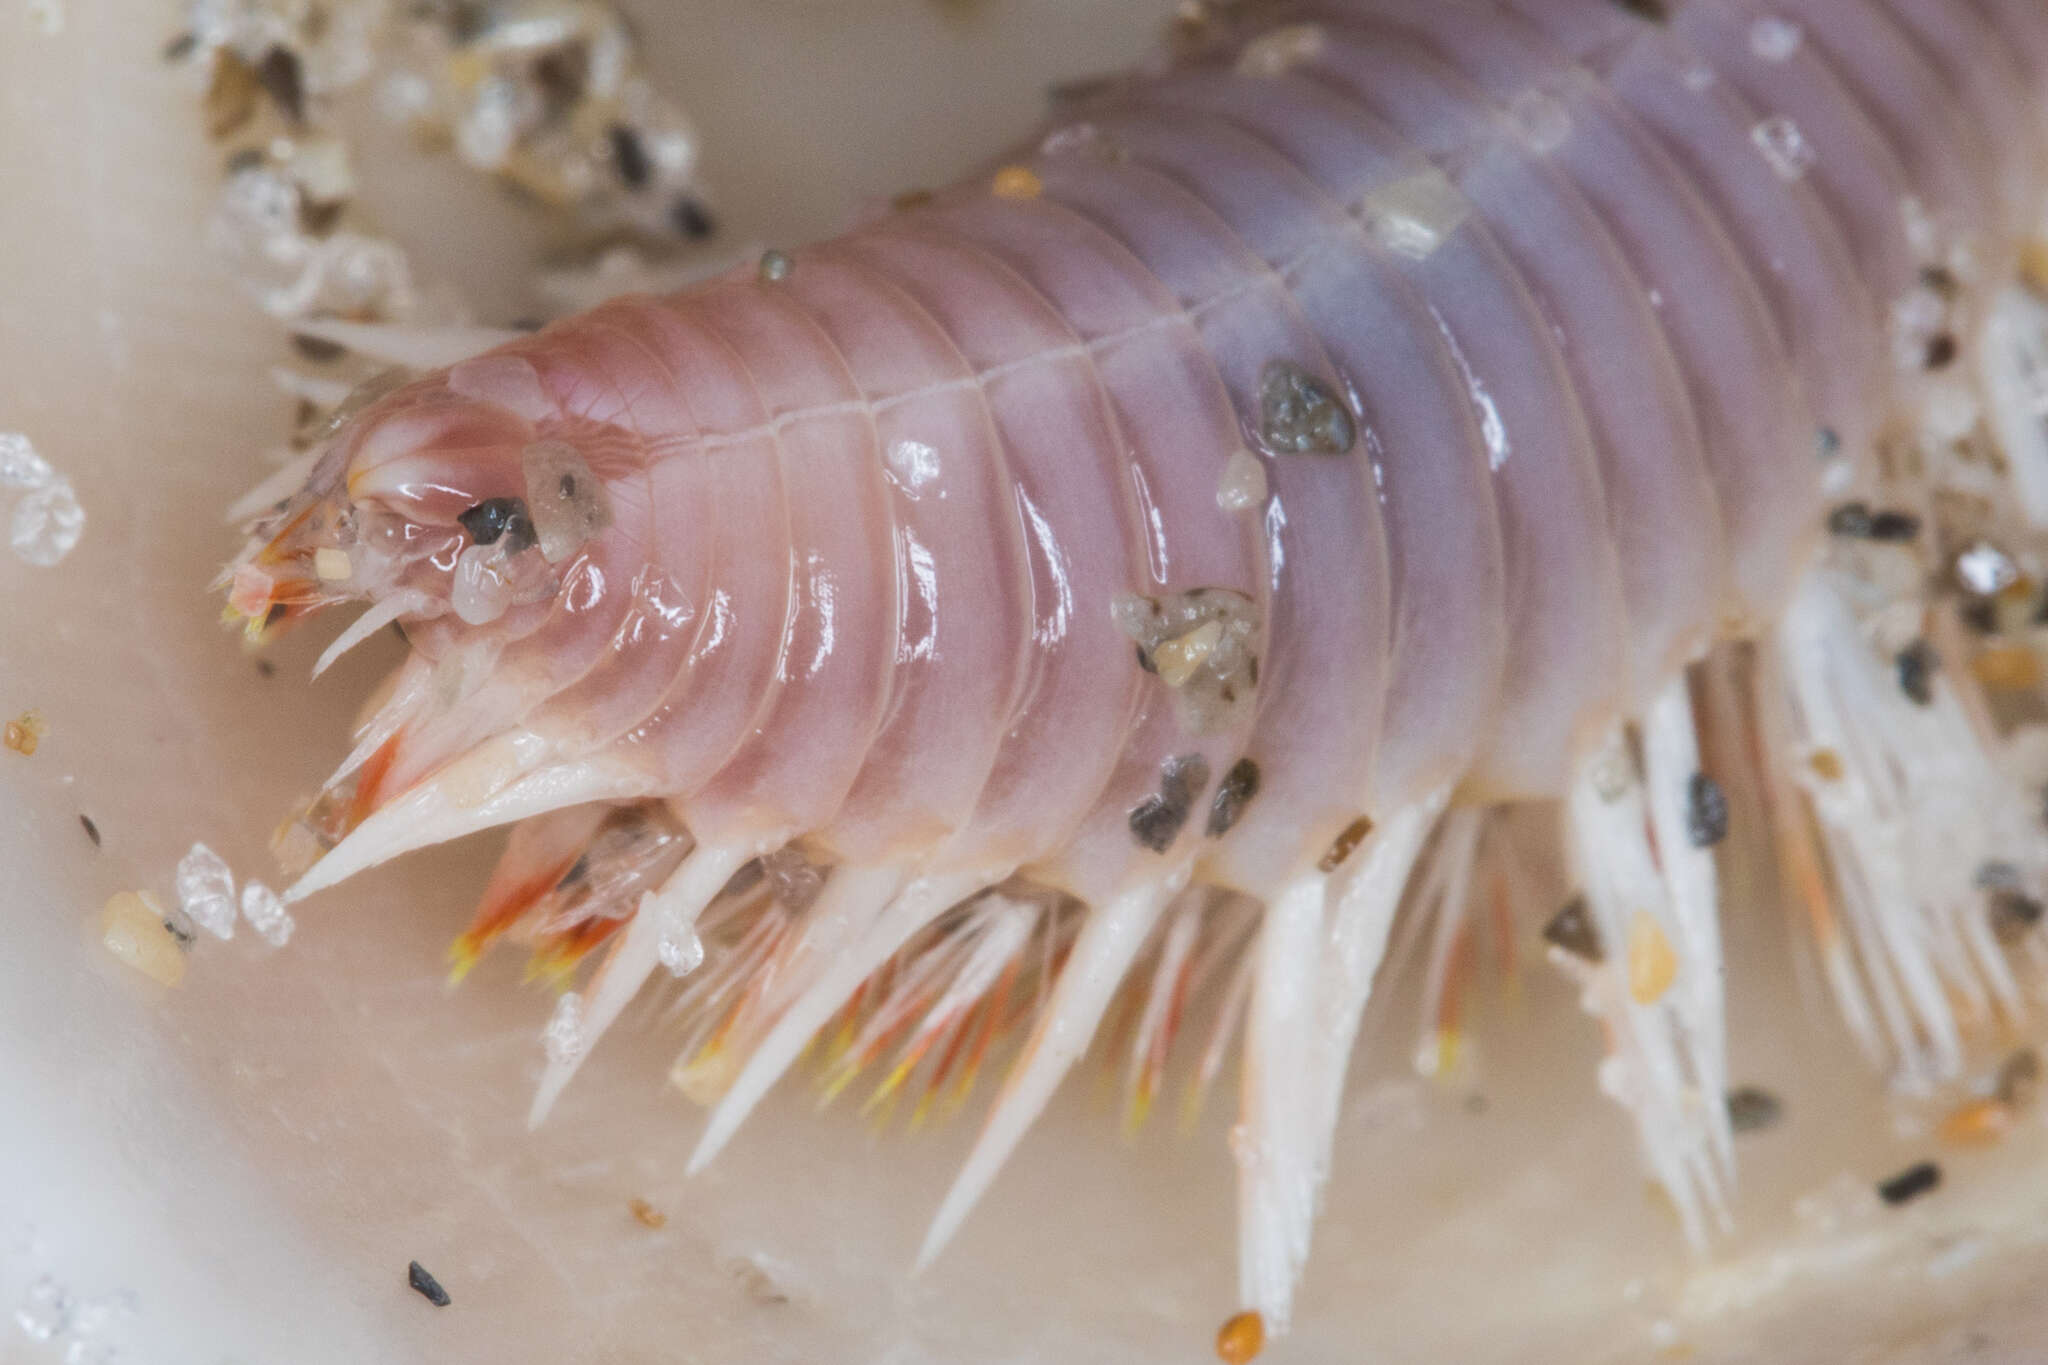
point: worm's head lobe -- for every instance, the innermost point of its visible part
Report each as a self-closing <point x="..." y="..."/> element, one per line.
<point x="451" y="496"/>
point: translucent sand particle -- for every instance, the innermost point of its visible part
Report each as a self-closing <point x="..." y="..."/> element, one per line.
<point x="47" y="524"/>
<point x="24" y="733"/>
<point x="206" y="891"/>
<point x="1243" y="485"/>
<point x="133" y="928"/>
<point x="21" y="467"/>
<point x="265" y="912"/>
<point x="1275" y="53"/>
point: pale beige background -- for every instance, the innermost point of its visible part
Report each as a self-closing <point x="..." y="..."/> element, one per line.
<point x="257" y="1155"/>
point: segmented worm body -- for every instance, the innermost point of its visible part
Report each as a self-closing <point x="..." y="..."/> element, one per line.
<point x="1367" y="411"/>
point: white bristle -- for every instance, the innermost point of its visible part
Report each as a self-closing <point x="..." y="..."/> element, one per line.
<point x="1109" y="942"/>
<point x="1660" y="1049"/>
<point x="1910" y="805"/>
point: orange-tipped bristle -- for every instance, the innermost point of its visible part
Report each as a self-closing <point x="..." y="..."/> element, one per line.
<point x="368" y="795"/>
<point x="498" y="912"/>
<point x="563" y="953"/>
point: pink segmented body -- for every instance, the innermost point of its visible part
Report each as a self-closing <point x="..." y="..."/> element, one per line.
<point x="1579" y="299"/>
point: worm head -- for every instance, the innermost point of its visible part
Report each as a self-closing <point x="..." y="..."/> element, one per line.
<point x="450" y="496"/>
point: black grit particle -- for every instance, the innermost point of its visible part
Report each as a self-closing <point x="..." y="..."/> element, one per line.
<point x="1233" y="794"/>
<point x="1942" y="351"/>
<point x="629" y="156"/>
<point x="2013" y="914"/>
<point x="1752" y="1109"/>
<point x="1656" y="11"/>
<point x="92" y="831"/>
<point x="426" y="1286"/>
<point x="179" y="926"/>
<point x="1910" y="1184"/>
<point x="689" y="218"/>
<point x="1572" y="930"/>
<point x="2019" y="1079"/>
<point x="1941" y="280"/>
<point x="318" y="349"/>
<point x="494" y="518"/>
<point x="278" y="74"/>
<point x="266" y="668"/>
<point x="1856" y="521"/>
<point x="1157" y="820"/>
<point x="1851" y="519"/>
<point x="1916" y="665"/>
<point x="1706" y="811"/>
<point x="1299" y="415"/>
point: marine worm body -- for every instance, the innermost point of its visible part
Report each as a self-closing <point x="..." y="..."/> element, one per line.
<point x="1121" y="570"/>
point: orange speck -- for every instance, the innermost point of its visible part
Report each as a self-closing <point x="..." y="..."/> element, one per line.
<point x="1826" y="765"/>
<point x="1979" y="1123"/>
<point x="1017" y="182"/>
<point x="646" y="1215"/>
<point x="2034" y="263"/>
<point x="1241" y="1338"/>
<point x="24" y="732"/>
<point x="1652" y="965"/>
<point x="2007" y="668"/>
<point x="1344" y="845"/>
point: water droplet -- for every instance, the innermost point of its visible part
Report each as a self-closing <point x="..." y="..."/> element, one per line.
<point x="912" y="465"/>
<point x="1540" y="120"/>
<point x="1785" y="147"/>
<point x="1773" y="39"/>
<point x="678" y="947"/>
<point x="482" y="590"/>
<point x="1278" y="51"/>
